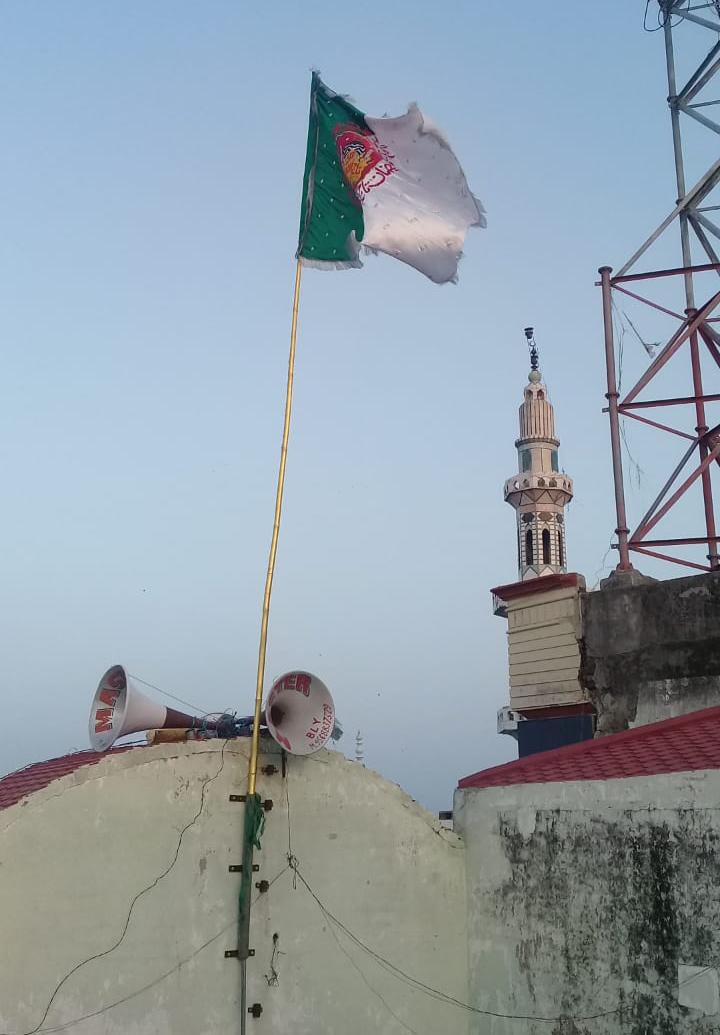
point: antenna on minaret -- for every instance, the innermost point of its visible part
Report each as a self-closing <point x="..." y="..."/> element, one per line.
<point x="359" y="754"/>
<point x="530" y="335"/>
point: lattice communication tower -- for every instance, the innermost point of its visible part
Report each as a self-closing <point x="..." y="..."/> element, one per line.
<point x="694" y="281"/>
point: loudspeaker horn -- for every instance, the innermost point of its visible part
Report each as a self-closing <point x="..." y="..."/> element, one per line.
<point x="119" y="708"/>
<point x="300" y="713"/>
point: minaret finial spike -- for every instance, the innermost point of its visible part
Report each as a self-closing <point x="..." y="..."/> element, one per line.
<point x="532" y="345"/>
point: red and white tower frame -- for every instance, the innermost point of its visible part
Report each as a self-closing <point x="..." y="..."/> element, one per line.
<point x="694" y="335"/>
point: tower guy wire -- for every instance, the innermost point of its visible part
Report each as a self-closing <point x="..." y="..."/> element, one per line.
<point x="158" y="980"/>
<point x="428" y="990"/>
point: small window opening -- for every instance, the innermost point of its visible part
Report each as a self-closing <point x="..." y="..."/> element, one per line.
<point x="529" y="558"/>
<point x="546" y="546"/>
<point x="561" y="558"/>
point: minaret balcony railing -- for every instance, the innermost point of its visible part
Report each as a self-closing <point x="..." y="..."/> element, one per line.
<point x="558" y="485"/>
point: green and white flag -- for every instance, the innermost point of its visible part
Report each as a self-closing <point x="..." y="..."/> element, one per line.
<point x="390" y="185"/>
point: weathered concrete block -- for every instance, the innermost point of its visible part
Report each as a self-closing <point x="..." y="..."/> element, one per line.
<point x="651" y="650"/>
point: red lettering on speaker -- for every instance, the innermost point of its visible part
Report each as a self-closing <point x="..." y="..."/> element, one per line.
<point x="103" y="719"/>
<point x="299" y="681"/>
<point x="108" y="697"/>
<point x="320" y="729"/>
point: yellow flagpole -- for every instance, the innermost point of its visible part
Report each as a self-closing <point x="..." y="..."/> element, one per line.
<point x="255" y="742"/>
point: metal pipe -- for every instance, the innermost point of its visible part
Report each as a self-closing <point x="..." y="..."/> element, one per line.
<point x="705" y="22"/>
<point x="253" y="806"/>
<point x="679" y="164"/>
<point x="710" y="343"/>
<point x="706" y="330"/>
<point x="243" y="996"/>
<point x="254" y="744"/>
<point x="657" y="274"/>
<point x="612" y="398"/>
<point x="678" y="338"/>
<point x="643" y="525"/>
<point x="696" y="540"/>
<point x="704" y="464"/>
<point x="673" y="560"/>
<point x="701" y="429"/>
<point x="703" y="239"/>
<point x="653" y="305"/>
<point x="702" y="119"/>
<point x="702" y="75"/>
<point x="656" y="424"/>
<point x="707" y="223"/>
<point x="679" y="401"/>
<point x="701" y="189"/>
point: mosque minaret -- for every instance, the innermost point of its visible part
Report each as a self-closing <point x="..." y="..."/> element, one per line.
<point x="539" y="492"/>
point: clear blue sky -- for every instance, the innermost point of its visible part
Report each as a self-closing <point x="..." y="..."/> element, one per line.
<point x="149" y="188"/>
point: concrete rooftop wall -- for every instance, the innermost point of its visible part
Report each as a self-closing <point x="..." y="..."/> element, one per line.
<point x="75" y="855"/>
<point x="598" y="900"/>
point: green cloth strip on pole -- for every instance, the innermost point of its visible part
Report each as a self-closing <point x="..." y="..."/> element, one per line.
<point x="252" y="832"/>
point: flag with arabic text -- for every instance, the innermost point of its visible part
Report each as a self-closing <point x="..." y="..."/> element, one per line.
<point x="390" y="185"/>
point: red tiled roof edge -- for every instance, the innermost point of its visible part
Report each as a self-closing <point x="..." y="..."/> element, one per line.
<point x="18" y="785"/>
<point x="541" y="584"/>
<point x="683" y="744"/>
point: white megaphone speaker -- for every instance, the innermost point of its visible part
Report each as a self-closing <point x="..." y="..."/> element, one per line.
<point x="300" y="713"/>
<point x="119" y="708"/>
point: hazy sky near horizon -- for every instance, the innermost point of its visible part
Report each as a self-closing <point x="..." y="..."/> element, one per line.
<point x="150" y="190"/>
